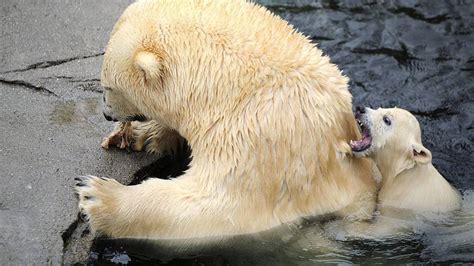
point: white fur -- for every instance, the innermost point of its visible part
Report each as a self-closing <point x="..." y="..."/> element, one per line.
<point x="409" y="180"/>
<point x="265" y="113"/>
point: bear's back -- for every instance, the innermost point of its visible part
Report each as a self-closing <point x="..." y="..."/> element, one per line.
<point x="244" y="26"/>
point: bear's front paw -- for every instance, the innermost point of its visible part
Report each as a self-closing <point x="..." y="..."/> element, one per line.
<point x="97" y="199"/>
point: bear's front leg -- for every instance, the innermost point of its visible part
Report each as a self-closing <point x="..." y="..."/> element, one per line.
<point x="158" y="208"/>
<point x="151" y="136"/>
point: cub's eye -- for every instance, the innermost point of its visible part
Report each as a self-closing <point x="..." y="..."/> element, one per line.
<point x="387" y="120"/>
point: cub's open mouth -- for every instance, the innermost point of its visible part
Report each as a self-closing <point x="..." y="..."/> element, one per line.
<point x="366" y="141"/>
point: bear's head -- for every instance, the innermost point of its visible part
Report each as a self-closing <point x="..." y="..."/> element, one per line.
<point x="131" y="73"/>
<point x="391" y="136"/>
<point x="123" y="86"/>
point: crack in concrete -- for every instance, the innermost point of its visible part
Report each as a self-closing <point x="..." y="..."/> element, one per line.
<point x="77" y="242"/>
<point x="51" y="63"/>
<point x="85" y="84"/>
<point x="73" y="79"/>
<point x="67" y="234"/>
<point x="89" y="86"/>
<point x="28" y="85"/>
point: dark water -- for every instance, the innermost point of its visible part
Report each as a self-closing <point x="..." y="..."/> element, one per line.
<point x="417" y="55"/>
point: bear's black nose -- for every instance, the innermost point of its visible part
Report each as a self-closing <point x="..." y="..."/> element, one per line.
<point x="109" y="118"/>
<point x="360" y="109"/>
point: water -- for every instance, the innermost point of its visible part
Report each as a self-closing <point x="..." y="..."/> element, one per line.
<point x="418" y="55"/>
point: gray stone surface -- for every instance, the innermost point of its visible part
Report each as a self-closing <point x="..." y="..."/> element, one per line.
<point x="51" y="121"/>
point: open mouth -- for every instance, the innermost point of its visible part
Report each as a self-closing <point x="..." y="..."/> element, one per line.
<point x="366" y="141"/>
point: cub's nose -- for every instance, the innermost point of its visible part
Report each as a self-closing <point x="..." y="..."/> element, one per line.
<point x="360" y="109"/>
<point x="109" y="118"/>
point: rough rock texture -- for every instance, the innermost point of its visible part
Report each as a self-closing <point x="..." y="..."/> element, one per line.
<point x="418" y="55"/>
<point x="51" y="121"/>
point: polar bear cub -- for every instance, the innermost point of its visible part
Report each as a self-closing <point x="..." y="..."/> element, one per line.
<point x="392" y="138"/>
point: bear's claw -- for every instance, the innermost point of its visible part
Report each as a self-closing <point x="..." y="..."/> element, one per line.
<point x="82" y="181"/>
<point x="96" y="197"/>
<point x="83" y="216"/>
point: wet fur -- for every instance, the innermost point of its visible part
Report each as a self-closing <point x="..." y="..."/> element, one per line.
<point x="409" y="179"/>
<point x="265" y="112"/>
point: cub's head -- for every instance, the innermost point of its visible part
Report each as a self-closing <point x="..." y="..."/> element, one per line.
<point x="391" y="135"/>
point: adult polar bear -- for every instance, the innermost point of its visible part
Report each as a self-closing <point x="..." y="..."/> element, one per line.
<point x="266" y="114"/>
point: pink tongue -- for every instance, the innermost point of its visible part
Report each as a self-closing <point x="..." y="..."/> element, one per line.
<point x="360" y="145"/>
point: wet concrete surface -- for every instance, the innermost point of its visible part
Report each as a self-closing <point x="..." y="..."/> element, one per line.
<point x="51" y="121"/>
<point x="418" y="55"/>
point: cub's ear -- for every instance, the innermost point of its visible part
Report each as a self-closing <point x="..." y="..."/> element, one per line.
<point x="149" y="65"/>
<point x="421" y="154"/>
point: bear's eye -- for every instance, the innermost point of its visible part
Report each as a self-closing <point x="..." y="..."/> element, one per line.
<point x="387" y="120"/>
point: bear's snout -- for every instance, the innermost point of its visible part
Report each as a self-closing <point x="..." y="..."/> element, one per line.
<point x="109" y="118"/>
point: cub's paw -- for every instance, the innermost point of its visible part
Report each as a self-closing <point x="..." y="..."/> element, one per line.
<point x="97" y="200"/>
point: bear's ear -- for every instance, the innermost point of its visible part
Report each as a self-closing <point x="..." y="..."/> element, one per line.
<point x="148" y="65"/>
<point x="421" y="154"/>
